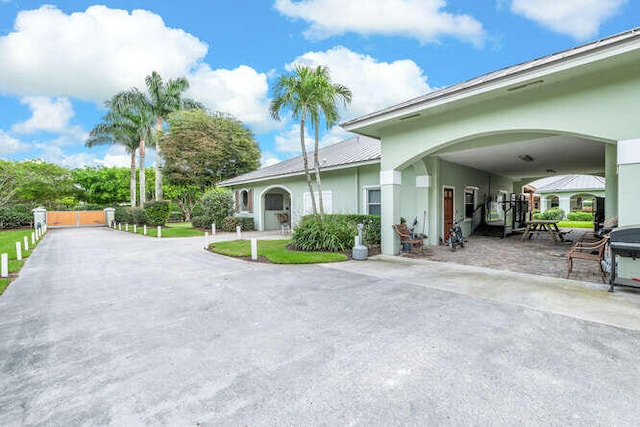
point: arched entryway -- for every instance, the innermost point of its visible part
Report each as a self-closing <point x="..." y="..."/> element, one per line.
<point x="276" y="208"/>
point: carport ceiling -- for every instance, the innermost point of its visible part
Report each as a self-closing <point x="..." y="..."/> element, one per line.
<point x="544" y="157"/>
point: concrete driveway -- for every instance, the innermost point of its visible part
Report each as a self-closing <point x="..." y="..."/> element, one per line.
<point x="104" y="327"/>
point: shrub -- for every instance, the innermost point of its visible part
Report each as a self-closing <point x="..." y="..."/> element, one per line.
<point x="217" y="204"/>
<point x="247" y="224"/>
<point x="123" y="214"/>
<point x="157" y="212"/>
<point x="334" y="232"/>
<point x="580" y="216"/>
<point x="201" y="221"/>
<point x="553" y="214"/>
<point x="139" y="216"/>
<point x="16" y="216"/>
<point x="230" y="223"/>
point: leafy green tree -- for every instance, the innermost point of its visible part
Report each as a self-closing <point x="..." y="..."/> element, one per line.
<point x="202" y="149"/>
<point x="8" y="182"/>
<point x="163" y="99"/>
<point x="42" y="183"/>
<point x="186" y="197"/>
<point x="217" y="204"/>
<point x="102" y="186"/>
<point x="328" y="95"/>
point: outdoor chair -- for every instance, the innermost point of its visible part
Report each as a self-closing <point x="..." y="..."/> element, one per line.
<point x="591" y="251"/>
<point x="406" y="239"/>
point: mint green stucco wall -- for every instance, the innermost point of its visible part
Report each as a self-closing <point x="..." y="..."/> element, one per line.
<point x="347" y="187"/>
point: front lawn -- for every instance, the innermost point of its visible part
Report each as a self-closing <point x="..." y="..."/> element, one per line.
<point x="174" y="229"/>
<point x="575" y="224"/>
<point x="275" y="251"/>
<point x="8" y="241"/>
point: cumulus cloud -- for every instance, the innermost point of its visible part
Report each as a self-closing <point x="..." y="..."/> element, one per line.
<point x="48" y="115"/>
<point x="10" y="145"/>
<point x="241" y="92"/>
<point x="424" y="20"/>
<point x="288" y="141"/>
<point x="268" y="159"/>
<point x="579" y="19"/>
<point x="92" y="54"/>
<point x="374" y="84"/>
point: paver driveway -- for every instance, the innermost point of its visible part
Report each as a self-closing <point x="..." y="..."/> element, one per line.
<point x="110" y="328"/>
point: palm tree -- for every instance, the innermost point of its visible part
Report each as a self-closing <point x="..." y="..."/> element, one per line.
<point x="296" y="92"/>
<point x="163" y="99"/>
<point x="328" y="95"/>
<point x="132" y="106"/>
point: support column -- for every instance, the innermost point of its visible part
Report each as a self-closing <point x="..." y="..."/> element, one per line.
<point x="611" y="183"/>
<point x="628" y="178"/>
<point x="390" y="181"/>
<point x="564" y="203"/>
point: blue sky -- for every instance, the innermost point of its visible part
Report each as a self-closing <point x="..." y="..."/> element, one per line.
<point x="59" y="61"/>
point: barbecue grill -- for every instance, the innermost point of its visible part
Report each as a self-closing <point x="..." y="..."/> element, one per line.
<point x="624" y="242"/>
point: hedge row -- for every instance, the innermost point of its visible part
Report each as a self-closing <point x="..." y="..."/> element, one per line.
<point x="153" y="213"/>
<point x="16" y="216"/>
<point x="580" y="216"/>
<point x="228" y="223"/>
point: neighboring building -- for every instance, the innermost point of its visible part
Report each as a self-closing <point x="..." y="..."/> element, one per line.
<point x="278" y="195"/>
<point x="570" y="193"/>
<point x="449" y="151"/>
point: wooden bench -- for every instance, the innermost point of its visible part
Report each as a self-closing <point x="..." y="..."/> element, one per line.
<point x="592" y="251"/>
<point x="405" y="237"/>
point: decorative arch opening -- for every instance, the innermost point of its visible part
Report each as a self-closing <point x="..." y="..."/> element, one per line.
<point x="276" y="208"/>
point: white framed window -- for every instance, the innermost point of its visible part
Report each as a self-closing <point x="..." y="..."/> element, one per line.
<point x="469" y="201"/>
<point x="372" y="201"/>
<point x="327" y="202"/>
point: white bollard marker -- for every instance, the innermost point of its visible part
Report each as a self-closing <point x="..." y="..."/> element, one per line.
<point x="213" y="228"/>
<point x="33" y="238"/>
<point x="238" y="232"/>
<point x="135" y="228"/>
<point x="254" y="249"/>
<point x="144" y="229"/>
<point x="120" y="226"/>
<point x="206" y="239"/>
<point x="4" y="268"/>
<point x="126" y="227"/>
<point x="26" y="243"/>
<point x="18" y="251"/>
<point x="159" y="231"/>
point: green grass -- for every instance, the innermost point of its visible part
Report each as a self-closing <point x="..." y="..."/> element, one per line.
<point x="8" y="241"/>
<point x="175" y="229"/>
<point x="575" y="224"/>
<point x="275" y="251"/>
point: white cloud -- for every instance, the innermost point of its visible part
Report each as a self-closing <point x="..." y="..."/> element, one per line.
<point x="10" y="145"/>
<point x="49" y="115"/>
<point x="288" y="141"/>
<point x="374" y="84"/>
<point x="241" y="92"/>
<point x="268" y="159"/>
<point x="92" y="54"/>
<point x="579" y="19"/>
<point x="424" y="20"/>
<point x="54" y="154"/>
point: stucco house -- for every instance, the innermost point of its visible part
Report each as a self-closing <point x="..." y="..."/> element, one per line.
<point x="451" y="150"/>
<point x="278" y="195"/>
<point x="570" y="192"/>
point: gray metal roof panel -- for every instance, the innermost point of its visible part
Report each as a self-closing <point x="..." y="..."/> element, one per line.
<point x="355" y="150"/>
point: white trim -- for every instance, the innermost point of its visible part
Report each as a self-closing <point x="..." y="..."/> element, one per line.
<point x="298" y="173"/>
<point x="629" y="152"/>
<point x="423" y="181"/>
<point x="365" y="197"/>
<point x="390" y="177"/>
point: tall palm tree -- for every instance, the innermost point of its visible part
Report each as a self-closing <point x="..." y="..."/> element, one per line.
<point x="112" y="131"/>
<point x="132" y="106"/>
<point x="328" y="95"/>
<point x="296" y="92"/>
<point x="164" y="98"/>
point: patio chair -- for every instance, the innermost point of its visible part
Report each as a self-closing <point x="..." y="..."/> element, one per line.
<point x="591" y="251"/>
<point x="407" y="242"/>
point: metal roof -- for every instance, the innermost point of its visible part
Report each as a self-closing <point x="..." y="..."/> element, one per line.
<point x="568" y="183"/>
<point x="495" y="76"/>
<point x="349" y="153"/>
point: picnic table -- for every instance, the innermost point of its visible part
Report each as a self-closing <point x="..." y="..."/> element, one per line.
<point x="547" y="226"/>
